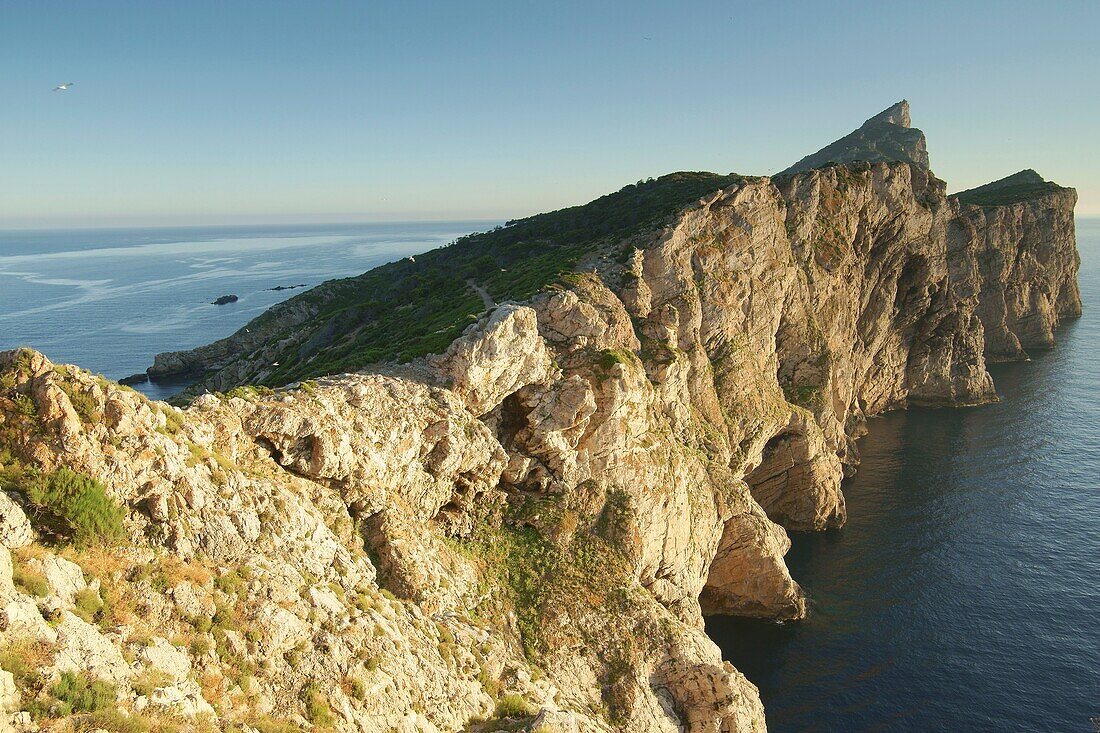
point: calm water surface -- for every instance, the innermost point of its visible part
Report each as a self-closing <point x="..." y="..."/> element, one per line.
<point x="110" y="300"/>
<point x="964" y="592"/>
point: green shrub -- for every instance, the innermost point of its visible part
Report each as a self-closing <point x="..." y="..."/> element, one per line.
<point x="511" y="706"/>
<point x="414" y="307"/>
<point x="317" y="709"/>
<point x="83" y="403"/>
<point x="75" y="694"/>
<point x="87" y="604"/>
<point x="200" y="646"/>
<point x="76" y="506"/>
<point x="24" y="405"/>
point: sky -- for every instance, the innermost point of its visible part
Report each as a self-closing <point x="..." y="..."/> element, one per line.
<point x="203" y="112"/>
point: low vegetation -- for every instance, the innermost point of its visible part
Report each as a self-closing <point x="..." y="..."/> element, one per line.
<point x="75" y="693"/>
<point x="407" y="309"/>
<point x="537" y="577"/>
<point x="67" y="505"/>
<point x="1017" y="188"/>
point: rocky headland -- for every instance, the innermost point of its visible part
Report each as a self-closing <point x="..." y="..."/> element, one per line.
<point x="401" y="506"/>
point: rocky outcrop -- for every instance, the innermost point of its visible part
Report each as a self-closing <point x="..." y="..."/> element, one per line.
<point x="15" y="530"/>
<point x="221" y="355"/>
<point x="887" y="137"/>
<point x="532" y="522"/>
<point x="1021" y="230"/>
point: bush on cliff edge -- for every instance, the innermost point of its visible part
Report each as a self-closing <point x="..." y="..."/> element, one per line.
<point x="74" y="506"/>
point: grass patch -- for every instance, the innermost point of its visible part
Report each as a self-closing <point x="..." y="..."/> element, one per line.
<point x="88" y="605"/>
<point x="610" y="357"/>
<point x="149" y="680"/>
<point x="267" y="724"/>
<point x="538" y="578"/>
<point x="30" y="581"/>
<point x="24" y="658"/>
<point x="173" y="422"/>
<point x="84" y="403"/>
<point x="805" y="396"/>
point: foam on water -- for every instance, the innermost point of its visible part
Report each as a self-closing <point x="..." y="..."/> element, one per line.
<point x="111" y="300"/>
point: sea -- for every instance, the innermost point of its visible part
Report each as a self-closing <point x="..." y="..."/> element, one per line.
<point x="963" y="593"/>
<point x="109" y="300"/>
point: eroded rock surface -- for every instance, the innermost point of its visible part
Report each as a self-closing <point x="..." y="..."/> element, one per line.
<point x="887" y="137"/>
<point x="534" y="521"/>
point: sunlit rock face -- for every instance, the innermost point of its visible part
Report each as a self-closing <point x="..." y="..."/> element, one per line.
<point x="888" y="137"/>
<point x="544" y="510"/>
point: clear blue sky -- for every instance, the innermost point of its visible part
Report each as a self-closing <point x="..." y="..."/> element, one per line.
<point x="204" y="112"/>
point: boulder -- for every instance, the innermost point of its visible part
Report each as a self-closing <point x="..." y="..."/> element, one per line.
<point x="15" y="528"/>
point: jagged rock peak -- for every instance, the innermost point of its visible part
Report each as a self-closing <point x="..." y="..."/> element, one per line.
<point x="898" y="114"/>
<point x="886" y="137"/>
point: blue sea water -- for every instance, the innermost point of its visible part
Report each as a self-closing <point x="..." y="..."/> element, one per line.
<point x="964" y="592"/>
<point x="110" y="300"/>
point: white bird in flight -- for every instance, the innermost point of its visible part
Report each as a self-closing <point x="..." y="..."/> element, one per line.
<point x="63" y="87"/>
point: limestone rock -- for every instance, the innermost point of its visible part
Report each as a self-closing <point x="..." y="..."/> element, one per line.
<point x="9" y="694"/>
<point x="82" y="648"/>
<point x="555" y="721"/>
<point x="7" y="587"/>
<point x="886" y="137"/>
<point x="166" y="658"/>
<point x="494" y="358"/>
<point x="576" y="480"/>
<point x="185" y="700"/>
<point x="15" y="529"/>
<point x="64" y="578"/>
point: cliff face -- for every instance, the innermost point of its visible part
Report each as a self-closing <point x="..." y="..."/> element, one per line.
<point x="545" y="510"/>
<point x="1022" y="233"/>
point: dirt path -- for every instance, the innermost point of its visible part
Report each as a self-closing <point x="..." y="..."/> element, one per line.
<point x="485" y="297"/>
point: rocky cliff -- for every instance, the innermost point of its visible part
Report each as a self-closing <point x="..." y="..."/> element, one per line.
<point x="525" y="528"/>
<point x="887" y="137"/>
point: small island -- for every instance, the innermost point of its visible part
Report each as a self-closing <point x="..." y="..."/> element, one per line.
<point x="226" y="299"/>
<point x="279" y="288"/>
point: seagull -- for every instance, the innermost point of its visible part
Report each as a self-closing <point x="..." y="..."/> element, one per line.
<point x="63" y="87"/>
